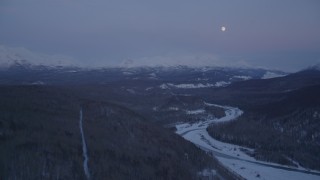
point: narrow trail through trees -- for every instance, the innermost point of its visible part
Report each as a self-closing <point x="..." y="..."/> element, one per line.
<point x="84" y="149"/>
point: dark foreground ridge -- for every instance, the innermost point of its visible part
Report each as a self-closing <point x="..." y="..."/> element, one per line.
<point x="40" y="140"/>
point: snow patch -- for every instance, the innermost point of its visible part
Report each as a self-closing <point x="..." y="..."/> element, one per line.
<point x="38" y="83"/>
<point x="243" y="77"/>
<point x="173" y="109"/>
<point x="221" y="84"/>
<point x="153" y="75"/>
<point x="164" y="86"/>
<point x="194" y="86"/>
<point x="197" y="111"/>
<point x="131" y="91"/>
<point x="269" y="75"/>
<point x="254" y="171"/>
<point x="191" y="86"/>
<point x="149" y="88"/>
<point x="127" y="73"/>
<point x="207" y="173"/>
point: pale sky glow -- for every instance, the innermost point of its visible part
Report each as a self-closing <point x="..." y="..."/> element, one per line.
<point x="268" y="33"/>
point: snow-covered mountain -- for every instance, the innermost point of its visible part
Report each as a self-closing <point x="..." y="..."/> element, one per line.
<point x="22" y="66"/>
<point x="315" y="67"/>
<point x="12" y="56"/>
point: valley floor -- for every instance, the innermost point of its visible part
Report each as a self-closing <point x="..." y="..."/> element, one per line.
<point x="235" y="157"/>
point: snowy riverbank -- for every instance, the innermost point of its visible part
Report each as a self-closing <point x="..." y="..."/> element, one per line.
<point x="234" y="156"/>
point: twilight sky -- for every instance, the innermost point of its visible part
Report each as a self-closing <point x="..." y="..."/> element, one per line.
<point x="278" y="34"/>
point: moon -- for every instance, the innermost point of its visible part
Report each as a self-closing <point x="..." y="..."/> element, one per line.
<point x="223" y="28"/>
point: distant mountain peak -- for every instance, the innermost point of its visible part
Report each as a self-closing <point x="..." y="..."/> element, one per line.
<point x="315" y="67"/>
<point x="23" y="57"/>
<point x="127" y="63"/>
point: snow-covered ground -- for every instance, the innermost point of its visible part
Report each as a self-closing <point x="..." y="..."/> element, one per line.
<point x="235" y="157"/>
<point x="269" y="75"/>
<point x="197" y="111"/>
<point x="242" y="77"/>
<point x="194" y="86"/>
